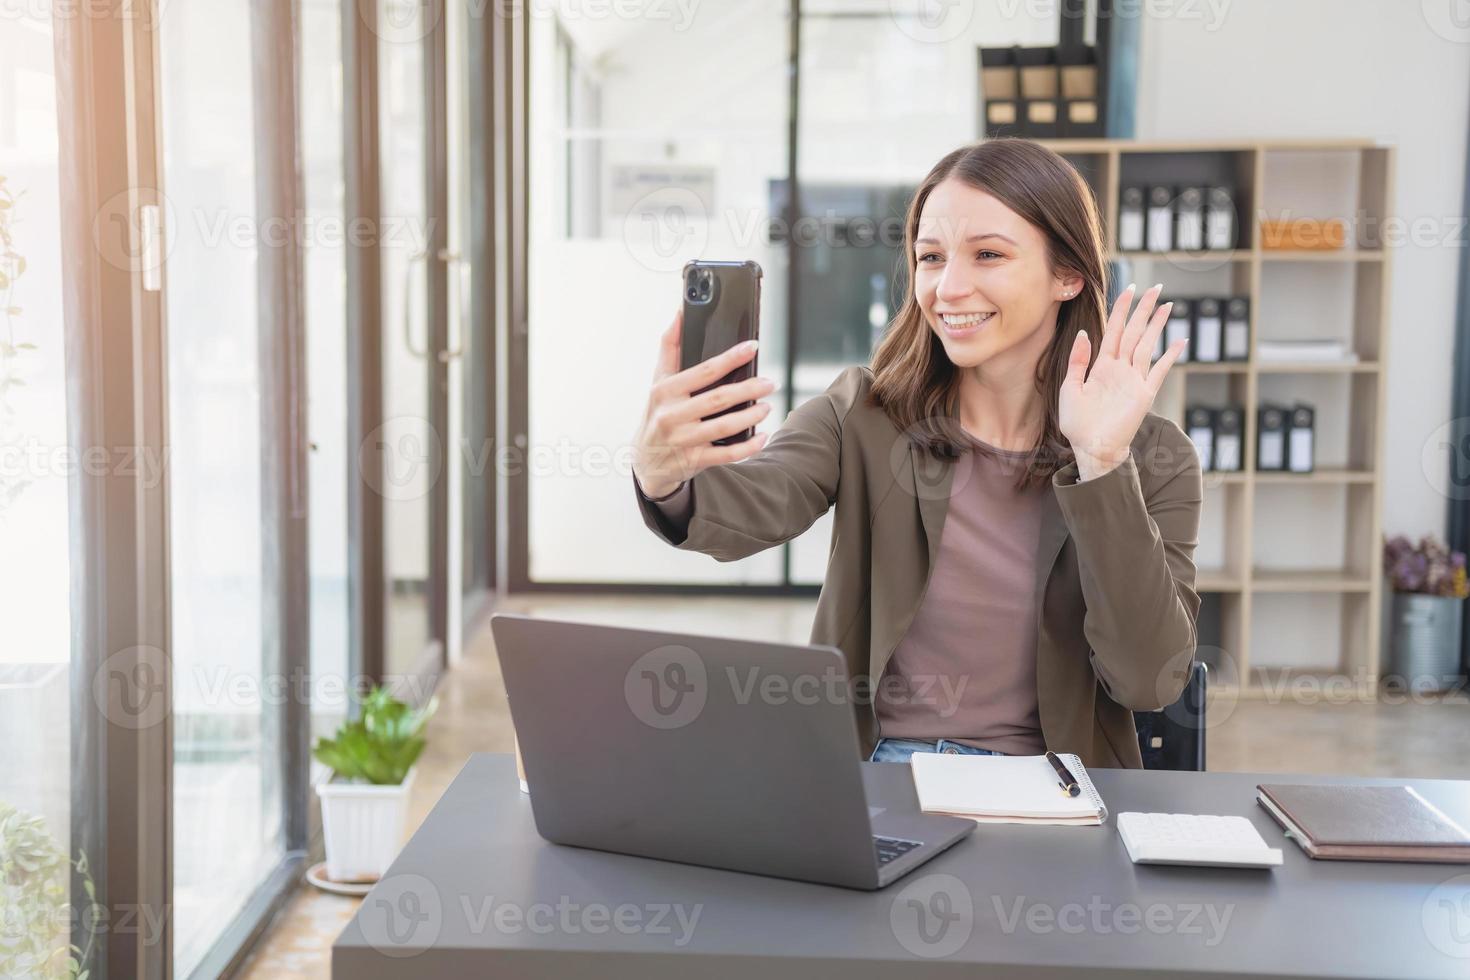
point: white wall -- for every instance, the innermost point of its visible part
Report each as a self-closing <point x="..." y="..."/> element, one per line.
<point x="1379" y="69"/>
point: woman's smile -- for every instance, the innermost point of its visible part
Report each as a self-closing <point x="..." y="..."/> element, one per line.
<point x="964" y="324"/>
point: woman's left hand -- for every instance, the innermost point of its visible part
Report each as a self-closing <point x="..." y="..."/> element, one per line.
<point x="1100" y="410"/>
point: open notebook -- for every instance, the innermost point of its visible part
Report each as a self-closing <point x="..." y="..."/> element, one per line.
<point x="1004" y="789"/>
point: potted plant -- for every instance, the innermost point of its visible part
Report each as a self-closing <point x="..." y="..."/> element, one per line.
<point x="365" y="803"/>
<point x="35" y="910"/>
<point x="1429" y="589"/>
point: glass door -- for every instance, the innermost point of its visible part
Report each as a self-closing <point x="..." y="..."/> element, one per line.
<point x="226" y="782"/>
<point x="630" y="175"/>
<point x="412" y="444"/>
<point x="36" y="713"/>
<point x="470" y="355"/>
<point x="321" y="108"/>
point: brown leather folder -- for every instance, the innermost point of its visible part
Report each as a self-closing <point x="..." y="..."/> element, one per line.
<point x="1365" y="823"/>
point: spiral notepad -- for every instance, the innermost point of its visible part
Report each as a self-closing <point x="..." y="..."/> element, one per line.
<point x="1004" y="789"/>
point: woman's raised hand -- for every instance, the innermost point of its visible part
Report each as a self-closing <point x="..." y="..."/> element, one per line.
<point x="1100" y="410"/>
<point x="673" y="443"/>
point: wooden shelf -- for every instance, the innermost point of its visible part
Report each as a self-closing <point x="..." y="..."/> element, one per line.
<point x="1224" y="478"/>
<point x="1115" y="145"/>
<point x="1316" y="477"/>
<point x="1218" y="580"/>
<point x="1217" y="257"/>
<point x="1212" y="367"/>
<point x="1309" y="580"/>
<point x="1321" y="255"/>
<point x="1222" y="257"/>
<point x="1276" y="367"/>
<point x="1248" y="526"/>
<point x="1316" y="367"/>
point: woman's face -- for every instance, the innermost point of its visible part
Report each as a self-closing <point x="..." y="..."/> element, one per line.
<point x="984" y="281"/>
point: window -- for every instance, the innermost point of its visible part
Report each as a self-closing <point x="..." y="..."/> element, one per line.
<point x="35" y="700"/>
<point x="226" y="780"/>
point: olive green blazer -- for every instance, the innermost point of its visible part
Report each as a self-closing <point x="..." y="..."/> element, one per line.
<point x="1115" y="557"/>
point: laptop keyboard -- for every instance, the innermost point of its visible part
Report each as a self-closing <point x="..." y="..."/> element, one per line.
<point x="889" y="848"/>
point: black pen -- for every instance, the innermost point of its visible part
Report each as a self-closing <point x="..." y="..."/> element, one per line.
<point x="1065" y="780"/>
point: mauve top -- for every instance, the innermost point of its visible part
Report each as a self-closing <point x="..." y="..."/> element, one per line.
<point x="965" y="669"/>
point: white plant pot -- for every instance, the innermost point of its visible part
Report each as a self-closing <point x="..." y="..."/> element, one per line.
<point x="363" y="826"/>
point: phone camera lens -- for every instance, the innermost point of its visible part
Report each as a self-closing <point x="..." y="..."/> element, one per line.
<point x="693" y="293"/>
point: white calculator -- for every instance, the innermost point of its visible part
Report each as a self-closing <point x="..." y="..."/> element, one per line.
<point x="1189" y="838"/>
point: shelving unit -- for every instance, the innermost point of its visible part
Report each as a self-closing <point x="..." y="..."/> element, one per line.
<point x="1289" y="562"/>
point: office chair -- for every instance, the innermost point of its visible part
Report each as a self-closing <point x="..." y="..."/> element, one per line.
<point x="1174" y="737"/>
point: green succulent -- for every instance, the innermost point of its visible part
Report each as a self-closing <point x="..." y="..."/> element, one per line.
<point x="382" y="744"/>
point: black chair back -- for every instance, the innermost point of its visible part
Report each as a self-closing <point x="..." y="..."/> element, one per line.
<point x="1174" y="737"/>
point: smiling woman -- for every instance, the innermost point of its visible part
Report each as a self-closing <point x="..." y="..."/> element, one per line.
<point x="1006" y="252"/>
<point x="992" y="478"/>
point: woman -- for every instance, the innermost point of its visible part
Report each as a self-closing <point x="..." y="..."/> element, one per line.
<point x="1012" y="562"/>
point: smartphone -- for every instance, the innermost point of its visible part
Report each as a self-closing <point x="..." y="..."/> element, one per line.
<point x="722" y="308"/>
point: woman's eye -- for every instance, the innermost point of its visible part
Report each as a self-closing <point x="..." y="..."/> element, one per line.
<point x="987" y="254"/>
<point x="928" y="255"/>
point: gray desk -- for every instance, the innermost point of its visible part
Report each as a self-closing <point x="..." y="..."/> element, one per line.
<point x="476" y="893"/>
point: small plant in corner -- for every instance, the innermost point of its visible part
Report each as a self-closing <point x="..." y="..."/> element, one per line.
<point x="1428" y="568"/>
<point x="365" y="804"/>
<point x="381" y="745"/>
<point x="35" y="907"/>
<point x="1426" y="615"/>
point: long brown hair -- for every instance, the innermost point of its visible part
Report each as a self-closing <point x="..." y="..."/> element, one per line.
<point x="914" y="382"/>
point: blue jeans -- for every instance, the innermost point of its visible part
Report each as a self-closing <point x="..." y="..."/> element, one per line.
<point x="899" y="749"/>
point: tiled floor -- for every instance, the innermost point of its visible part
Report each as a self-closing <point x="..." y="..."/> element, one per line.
<point x="1354" y="738"/>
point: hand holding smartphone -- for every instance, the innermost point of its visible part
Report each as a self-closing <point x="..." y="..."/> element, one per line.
<point x="722" y="305"/>
<point x="705" y="401"/>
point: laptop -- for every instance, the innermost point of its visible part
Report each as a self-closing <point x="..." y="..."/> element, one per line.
<point x="727" y="753"/>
